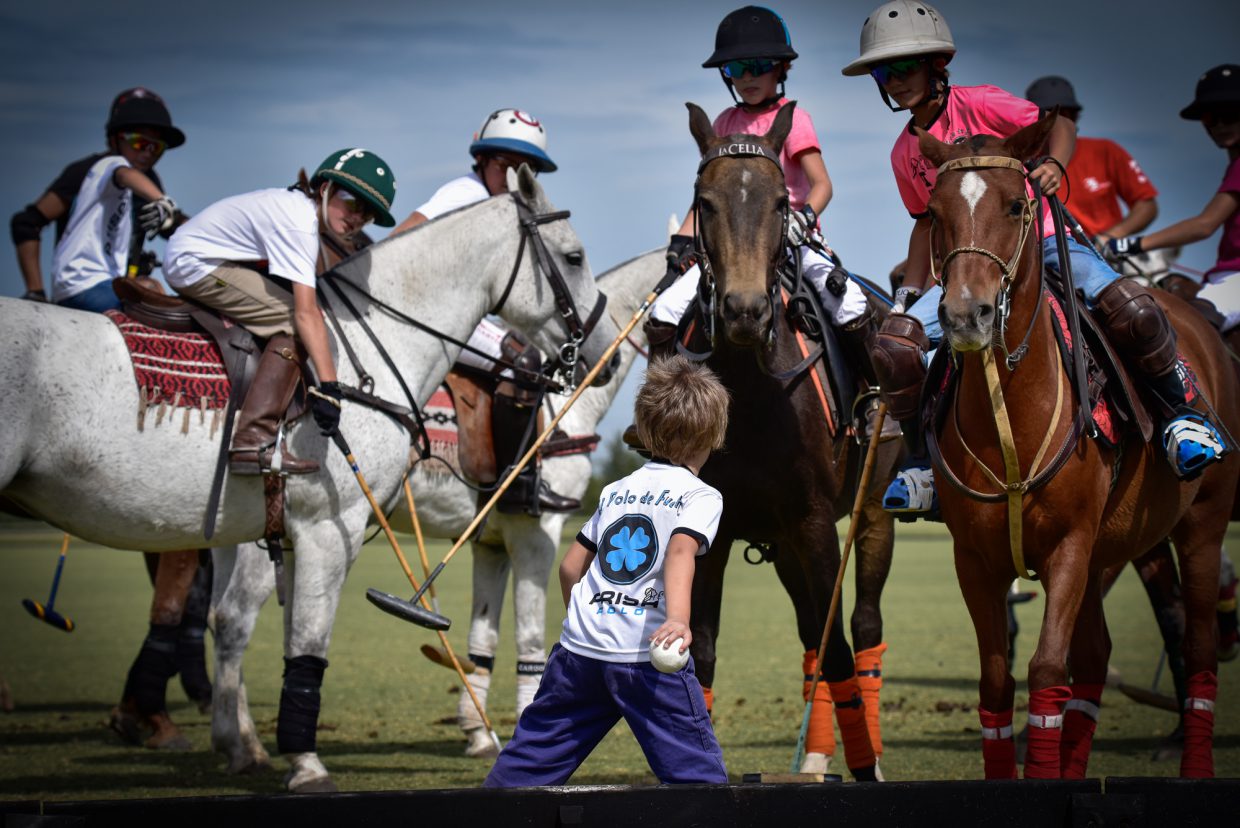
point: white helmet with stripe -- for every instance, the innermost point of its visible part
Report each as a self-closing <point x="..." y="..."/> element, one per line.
<point x="511" y="130"/>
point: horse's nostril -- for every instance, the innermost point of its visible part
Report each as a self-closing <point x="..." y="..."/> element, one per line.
<point x="985" y="313"/>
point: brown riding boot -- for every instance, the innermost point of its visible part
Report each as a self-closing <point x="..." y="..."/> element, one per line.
<point x="660" y="344"/>
<point x="858" y="338"/>
<point x="275" y="381"/>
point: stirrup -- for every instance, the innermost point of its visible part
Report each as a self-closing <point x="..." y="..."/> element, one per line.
<point x="912" y="495"/>
<point x="1192" y="443"/>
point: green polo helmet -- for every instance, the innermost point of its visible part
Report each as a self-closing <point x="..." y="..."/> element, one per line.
<point x="365" y="174"/>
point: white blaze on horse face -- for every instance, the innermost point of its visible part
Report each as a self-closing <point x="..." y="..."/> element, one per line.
<point x="972" y="188"/>
<point x="746" y="175"/>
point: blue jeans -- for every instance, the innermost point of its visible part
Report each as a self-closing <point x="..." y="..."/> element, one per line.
<point x="1090" y="273"/>
<point x="580" y="699"/>
<point x="97" y="299"/>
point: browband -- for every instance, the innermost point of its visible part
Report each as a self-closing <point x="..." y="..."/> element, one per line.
<point x="739" y="149"/>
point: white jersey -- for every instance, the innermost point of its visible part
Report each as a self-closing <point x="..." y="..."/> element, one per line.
<point x="280" y="227"/>
<point x="619" y="603"/>
<point x="457" y="193"/>
<point x="95" y="245"/>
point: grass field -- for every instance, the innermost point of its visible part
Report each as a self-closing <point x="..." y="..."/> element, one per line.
<point x="388" y="715"/>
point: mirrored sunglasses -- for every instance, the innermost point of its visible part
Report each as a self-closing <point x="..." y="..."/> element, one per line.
<point x="884" y="72"/>
<point x="141" y="143"/>
<point x="735" y="68"/>
<point x="354" y="203"/>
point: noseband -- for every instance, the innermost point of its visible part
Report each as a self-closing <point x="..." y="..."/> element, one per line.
<point x="1007" y="267"/>
<point x="708" y="298"/>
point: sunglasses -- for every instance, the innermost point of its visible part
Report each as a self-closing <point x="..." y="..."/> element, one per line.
<point x="355" y="204"/>
<point x="735" y="68"/>
<point x="884" y="72"/>
<point x="507" y="162"/>
<point x="141" y="143"/>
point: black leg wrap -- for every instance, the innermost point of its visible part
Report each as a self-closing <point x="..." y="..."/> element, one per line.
<point x="530" y="668"/>
<point x="299" y="704"/>
<point x="191" y="657"/>
<point x="147" y="683"/>
<point x="484" y="662"/>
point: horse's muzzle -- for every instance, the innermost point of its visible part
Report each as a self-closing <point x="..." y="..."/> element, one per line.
<point x="746" y="318"/>
<point x="968" y="328"/>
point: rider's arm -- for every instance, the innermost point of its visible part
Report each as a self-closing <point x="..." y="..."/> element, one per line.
<point x="1140" y="216"/>
<point x="415" y="218"/>
<point x="310" y="329"/>
<point x="136" y="180"/>
<point x="820" y="190"/>
<point x="1060" y="147"/>
<point x="47" y="209"/>
<point x="917" y="267"/>
<point x="1199" y="227"/>
<point x="573" y="568"/>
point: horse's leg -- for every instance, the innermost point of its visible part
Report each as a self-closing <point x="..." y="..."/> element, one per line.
<point x="191" y="655"/>
<point x="1162" y="586"/>
<point x="704" y="619"/>
<point x="875" y="542"/>
<point x="143" y="702"/>
<point x="1198" y="543"/>
<point x="490" y="582"/>
<point x="985" y="595"/>
<point x="1089" y="653"/>
<point x="243" y="580"/>
<point x="531" y="562"/>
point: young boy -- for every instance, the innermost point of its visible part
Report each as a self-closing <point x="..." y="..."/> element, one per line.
<point x="627" y="581"/>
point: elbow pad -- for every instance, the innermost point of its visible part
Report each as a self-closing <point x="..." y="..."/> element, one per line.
<point x="28" y="224"/>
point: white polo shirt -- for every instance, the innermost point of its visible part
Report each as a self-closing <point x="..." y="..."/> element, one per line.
<point x="457" y="193"/>
<point x="95" y="244"/>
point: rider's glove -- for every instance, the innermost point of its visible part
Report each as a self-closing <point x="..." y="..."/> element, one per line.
<point x="681" y="254"/>
<point x="801" y="226"/>
<point x="36" y="295"/>
<point x="325" y="406"/>
<point x="905" y="296"/>
<point x="1123" y="248"/>
<point x="157" y="216"/>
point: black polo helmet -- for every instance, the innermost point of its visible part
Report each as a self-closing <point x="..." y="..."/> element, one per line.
<point x="1052" y="91"/>
<point x="1218" y="87"/>
<point x="751" y="32"/>
<point x="139" y="107"/>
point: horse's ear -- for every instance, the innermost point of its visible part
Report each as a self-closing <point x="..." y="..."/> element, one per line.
<point x="529" y="188"/>
<point x="701" y="128"/>
<point x="1028" y="143"/>
<point x="778" y="133"/>
<point x="932" y="148"/>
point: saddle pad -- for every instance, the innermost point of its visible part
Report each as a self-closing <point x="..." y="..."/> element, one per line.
<point x="441" y="427"/>
<point x="178" y="370"/>
<point x="1103" y="408"/>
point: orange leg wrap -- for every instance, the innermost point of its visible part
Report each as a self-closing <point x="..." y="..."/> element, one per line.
<point x="710" y="700"/>
<point x="821" y="735"/>
<point x="869" y="665"/>
<point x="850" y="713"/>
<point x="1198" y="757"/>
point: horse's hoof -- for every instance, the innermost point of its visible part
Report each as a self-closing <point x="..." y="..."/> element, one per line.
<point x="167" y="736"/>
<point x="816" y="763"/>
<point x="249" y="765"/>
<point x="204" y="705"/>
<point x="126" y="723"/>
<point x="1171" y="746"/>
<point x="305" y="783"/>
<point x="481" y="745"/>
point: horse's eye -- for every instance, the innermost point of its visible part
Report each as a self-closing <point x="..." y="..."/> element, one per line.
<point x="1017" y="208"/>
<point x="576" y="258"/>
<point x="706" y="207"/>
<point x="782" y="205"/>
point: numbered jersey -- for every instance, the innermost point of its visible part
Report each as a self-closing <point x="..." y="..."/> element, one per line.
<point x="619" y="603"/>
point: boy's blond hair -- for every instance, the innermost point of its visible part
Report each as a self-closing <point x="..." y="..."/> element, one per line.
<point x="681" y="410"/>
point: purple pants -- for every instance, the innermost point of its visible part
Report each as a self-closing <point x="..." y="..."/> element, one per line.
<point x="581" y="699"/>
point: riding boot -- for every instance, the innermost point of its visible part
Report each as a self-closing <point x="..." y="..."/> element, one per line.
<point x="1137" y="326"/>
<point x="275" y="381"/>
<point x="660" y="344"/>
<point x="528" y="492"/>
<point x="899" y="363"/>
<point x="858" y="339"/>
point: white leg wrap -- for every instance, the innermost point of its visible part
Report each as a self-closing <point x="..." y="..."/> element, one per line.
<point x="466" y="714"/>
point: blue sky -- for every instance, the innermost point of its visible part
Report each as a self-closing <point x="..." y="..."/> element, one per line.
<point x="264" y="88"/>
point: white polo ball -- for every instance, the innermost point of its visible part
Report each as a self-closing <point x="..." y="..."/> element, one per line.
<point x="668" y="660"/>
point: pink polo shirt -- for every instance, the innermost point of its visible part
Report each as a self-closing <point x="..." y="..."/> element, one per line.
<point x="968" y="111"/>
<point x="1229" y="243"/>
<point x="801" y="139"/>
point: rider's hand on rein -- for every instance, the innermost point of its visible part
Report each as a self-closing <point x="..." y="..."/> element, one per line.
<point x="325" y="406"/>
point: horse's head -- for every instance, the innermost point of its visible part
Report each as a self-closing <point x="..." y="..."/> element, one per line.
<point x="741" y="204"/>
<point x="984" y="226"/>
<point x="560" y="308"/>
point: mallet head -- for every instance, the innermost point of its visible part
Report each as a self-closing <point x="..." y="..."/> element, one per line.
<point x="405" y="610"/>
<point x="48" y="615"/>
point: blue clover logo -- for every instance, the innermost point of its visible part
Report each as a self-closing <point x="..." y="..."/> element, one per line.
<point x="632" y="547"/>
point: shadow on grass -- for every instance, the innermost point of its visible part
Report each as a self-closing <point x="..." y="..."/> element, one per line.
<point x="444" y="748"/>
<point x="891" y="685"/>
<point x="23" y="707"/>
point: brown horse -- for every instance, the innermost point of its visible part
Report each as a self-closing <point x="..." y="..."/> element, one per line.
<point x="783" y="469"/>
<point x="1101" y="508"/>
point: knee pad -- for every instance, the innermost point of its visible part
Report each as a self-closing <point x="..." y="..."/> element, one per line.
<point x="1137" y="326"/>
<point x="515" y="349"/>
<point x="898" y="357"/>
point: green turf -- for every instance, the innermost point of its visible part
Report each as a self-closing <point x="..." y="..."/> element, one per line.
<point x="388" y="714"/>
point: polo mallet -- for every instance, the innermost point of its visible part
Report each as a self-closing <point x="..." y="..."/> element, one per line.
<point x="343" y="445"/>
<point x="417" y="534"/>
<point x="409" y="610"/>
<point x="862" y="487"/>
<point x="47" y="613"/>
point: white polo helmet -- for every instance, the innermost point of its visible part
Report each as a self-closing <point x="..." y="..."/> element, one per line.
<point x="898" y="29"/>
<point x="511" y="130"/>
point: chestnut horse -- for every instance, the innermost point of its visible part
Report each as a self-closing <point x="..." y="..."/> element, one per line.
<point x="783" y="470"/>
<point x="1101" y="507"/>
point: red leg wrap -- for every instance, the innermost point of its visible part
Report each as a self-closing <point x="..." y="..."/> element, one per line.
<point x="1080" y="718"/>
<point x="869" y="665"/>
<point x="1045" y="730"/>
<point x="850" y="713"/>
<point x="998" y="747"/>
<point x="1198" y="757"/>
<point x="821" y="735"/>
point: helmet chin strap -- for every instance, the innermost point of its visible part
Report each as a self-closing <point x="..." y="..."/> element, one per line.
<point x="325" y="225"/>
<point x="938" y="87"/>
